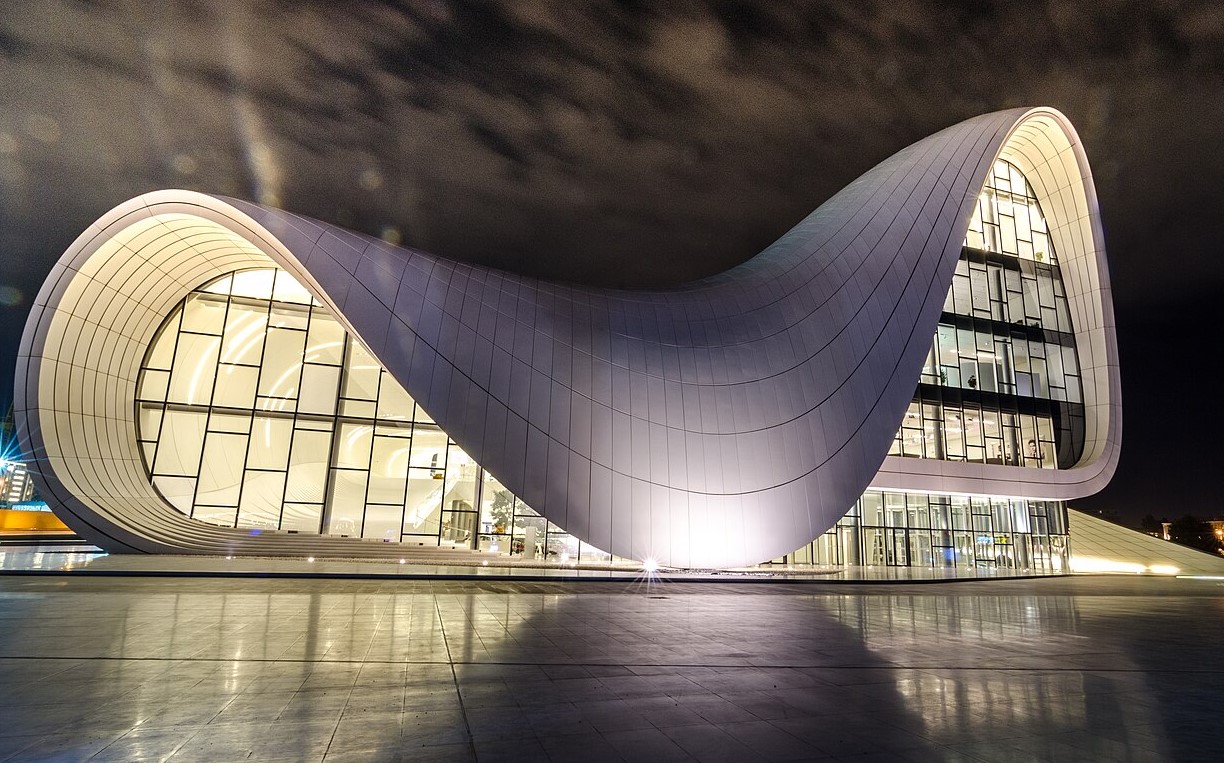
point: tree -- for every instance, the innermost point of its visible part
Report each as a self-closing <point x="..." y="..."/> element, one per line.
<point x="1195" y="533"/>
<point x="501" y="509"/>
<point x="1152" y="526"/>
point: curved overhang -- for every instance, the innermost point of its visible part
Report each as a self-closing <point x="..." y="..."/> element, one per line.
<point x="1046" y="148"/>
<point x="721" y="423"/>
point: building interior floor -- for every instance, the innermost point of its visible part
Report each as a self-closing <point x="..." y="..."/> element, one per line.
<point x="200" y="667"/>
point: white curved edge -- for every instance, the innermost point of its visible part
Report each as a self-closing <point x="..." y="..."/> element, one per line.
<point x="75" y="386"/>
<point x="718" y="424"/>
<point x="1044" y="145"/>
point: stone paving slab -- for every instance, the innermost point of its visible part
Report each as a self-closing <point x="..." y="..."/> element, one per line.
<point x="1117" y="668"/>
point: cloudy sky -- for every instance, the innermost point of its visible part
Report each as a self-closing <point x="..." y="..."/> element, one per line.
<point x="618" y="143"/>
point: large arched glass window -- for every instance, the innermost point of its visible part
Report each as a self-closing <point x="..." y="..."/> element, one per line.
<point x="256" y="409"/>
<point x="1007" y="218"/>
<point x="1001" y="383"/>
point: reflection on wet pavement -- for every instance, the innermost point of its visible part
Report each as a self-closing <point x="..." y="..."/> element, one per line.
<point x="231" y="669"/>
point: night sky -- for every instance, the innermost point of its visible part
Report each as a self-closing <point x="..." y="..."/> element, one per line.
<point x="615" y="144"/>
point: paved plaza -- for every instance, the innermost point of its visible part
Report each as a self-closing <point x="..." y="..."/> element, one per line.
<point x="226" y="669"/>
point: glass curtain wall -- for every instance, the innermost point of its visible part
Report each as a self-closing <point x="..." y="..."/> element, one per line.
<point x="15" y="483"/>
<point x="896" y="529"/>
<point x="510" y="527"/>
<point x="256" y="409"/>
<point x="1001" y="383"/>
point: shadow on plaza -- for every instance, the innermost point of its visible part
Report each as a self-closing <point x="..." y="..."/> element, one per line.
<point x="986" y="676"/>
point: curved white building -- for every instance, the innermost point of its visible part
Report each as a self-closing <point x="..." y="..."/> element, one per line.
<point x="205" y="375"/>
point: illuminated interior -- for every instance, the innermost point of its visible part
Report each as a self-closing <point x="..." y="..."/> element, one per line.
<point x="1001" y="383"/>
<point x="1007" y="218"/>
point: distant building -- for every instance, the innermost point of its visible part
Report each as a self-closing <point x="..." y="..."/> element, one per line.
<point x="921" y="372"/>
<point x="16" y="486"/>
<point x="15" y="483"/>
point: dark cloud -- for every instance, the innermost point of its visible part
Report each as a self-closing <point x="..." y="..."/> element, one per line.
<point x="625" y="143"/>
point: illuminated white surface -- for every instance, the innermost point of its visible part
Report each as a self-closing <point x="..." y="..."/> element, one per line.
<point x="1100" y="546"/>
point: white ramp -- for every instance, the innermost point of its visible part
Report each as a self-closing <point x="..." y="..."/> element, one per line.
<point x="1100" y="546"/>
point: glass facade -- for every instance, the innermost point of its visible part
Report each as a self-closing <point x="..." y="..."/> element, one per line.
<point x="256" y="409"/>
<point x="510" y="527"/>
<point x="16" y="487"/>
<point x="1008" y="219"/>
<point x="1001" y="383"/>
<point x="898" y="529"/>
